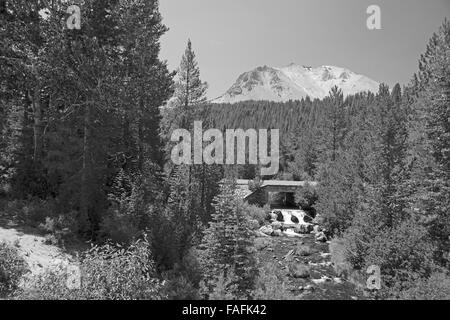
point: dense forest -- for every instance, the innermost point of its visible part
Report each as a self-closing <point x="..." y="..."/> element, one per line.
<point x="86" y="118"/>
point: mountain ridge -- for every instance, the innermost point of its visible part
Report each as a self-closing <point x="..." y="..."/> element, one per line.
<point x="294" y="82"/>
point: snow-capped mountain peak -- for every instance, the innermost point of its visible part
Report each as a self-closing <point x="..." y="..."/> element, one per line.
<point x="294" y="82"/>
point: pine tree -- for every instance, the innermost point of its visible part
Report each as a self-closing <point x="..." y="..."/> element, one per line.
<point x="227" y="247"/>
<point x="190" y="90"/>
<point x="392" y="136"/>
<point x="430" y="140"/>
<point x="189" y="93"/>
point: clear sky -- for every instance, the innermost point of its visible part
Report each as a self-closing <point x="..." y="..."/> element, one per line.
<point x="234" y="36"/>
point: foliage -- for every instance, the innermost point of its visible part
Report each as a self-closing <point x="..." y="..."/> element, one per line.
<point x="107" y="272"/>
<point x="227" y="247"/>
<point x="436" y="287"/>
<point x="12" y="269"/>
<point x="255" y="213"/>
<point x="270" y="286"/>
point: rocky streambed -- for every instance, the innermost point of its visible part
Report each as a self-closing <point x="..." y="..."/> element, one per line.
<point x="300" y="249"/>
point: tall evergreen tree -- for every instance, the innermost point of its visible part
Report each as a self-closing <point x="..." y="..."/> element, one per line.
<point x="227" y="248"/>
<point x="430" y="140"/>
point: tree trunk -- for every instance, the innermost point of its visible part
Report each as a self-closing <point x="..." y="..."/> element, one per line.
<point x="37" y="126"/>
<point x="85" y="175"/>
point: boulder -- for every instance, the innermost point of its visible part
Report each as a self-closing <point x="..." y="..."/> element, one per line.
<point x="272" y="216"/>
<point x="294" y="219"/>
<point x="317" y="229"/>
<point x="259" y="234"/>
<point x="303" y="228"/>
<point x="277" y="225"/>
<point x="307" y="219"/>
<point x="280" y="216"/>
<point x="292" y="234"/>
<point x="303" y="250"/>
<point x="321" y="237"/>
<point x="266" y="230"/>
<point x="277" y="233"/>
<point x="298" y="270"/>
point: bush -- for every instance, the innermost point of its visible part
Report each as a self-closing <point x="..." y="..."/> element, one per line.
<point x="339" y="255"/>
<point x="269" y="286"/>
<point x="436" y="287"/>
<point x="12" y="268"/>
<point x="182" y="283"/>
<point x="306" y="197"/>
<point x="404" y="253"/>
<point x="119" y="228"/>
<point x="107" y="273"/>
<point x="180" y="288"/>
<point x="58" y="230"/>
<point x="32" y="212"/>
<point x="256" y="213"/>
<point x="222" y="288"/>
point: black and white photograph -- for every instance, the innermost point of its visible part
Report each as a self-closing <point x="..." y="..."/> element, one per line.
<point x="230" y="155"/>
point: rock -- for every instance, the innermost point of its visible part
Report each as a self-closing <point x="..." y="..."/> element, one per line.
<point x="277" y="233"/>
<point x="272" y="216"/>
<point x="322" y="280"/>
<point x="260" y="234"/>
<point x="317" y="229"/>
<point x="307" y="219"/>
<point x="277" y="225"/>
<point x="253" y="224"/>
<point x="321" y="237"/>
<point x="317" y="219"/>
<point x="303" y="228"/>
<point x="266" y="230"/>
<point x="294" y="219"/>
<point x="303" y="250"/>
<point x="261" y="243"/>
<point x="280" y="216"/>
<point x="337" y="280"/>
<point x="292" y="234"/>
<point x="298" y="270"/>
<point x="300" y="229"/>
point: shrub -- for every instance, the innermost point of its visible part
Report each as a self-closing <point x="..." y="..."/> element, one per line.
<point x="107" y="272"/>
<point x="12" y="268"/>
<point x="118" y="228"/>
<point x="32" y="212"/>
<point x="269" y="286"/>
<point x="256" y="213"/>
<point x="182" y="283"/>
<point x="306" y="197"/>
<point x="58" y="229"/>
<point x="180" y="288"/>
<point x="223" y="287"/>
<point x="436" y="287"/>
<point x="339" y="254"/>
<point x="404" y="253"/>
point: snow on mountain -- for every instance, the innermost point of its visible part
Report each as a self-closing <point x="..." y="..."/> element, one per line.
<point x="295" y="82"/>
